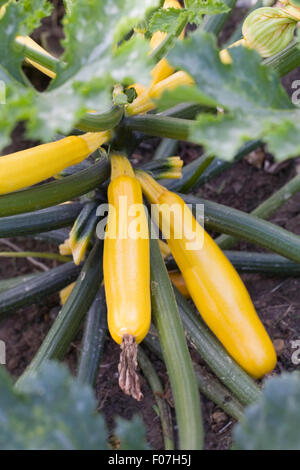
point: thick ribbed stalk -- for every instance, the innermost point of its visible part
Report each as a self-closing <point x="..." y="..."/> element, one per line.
<point x="267" y="263"/>
<point x="213" y="353"/>
<point x="54" y="236"/>
<point x="214" y="24"/>
<point x="183" y="111"/>
<point x="285" y="61"/>
<point x="46" y="60"/>
<point x="224" y="219"/>
<point x="158" y="392"/>
<point x="267" y="208"/>
<point x="166" y="148"/>
<point x="56" y="192"/>
<point x="14" y="281"/>
<point x="207" y="383"/>
<point x="31" y="291"/>
<point x="69" y="319"/>
<point x="217" y="393"/>
<point x="93" y="340"/>
<point x="176" y="354"/>
<point x="252" y="262"/>
<point x="160" y="126"/>
<point x="39" y="221"/>
<point x="93" y="122"/>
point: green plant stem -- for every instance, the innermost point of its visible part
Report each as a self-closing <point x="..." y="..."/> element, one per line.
<point x="176" y="354"/>
<point x="207" y="383"/>
<point x="69" y="319"/>
<point x="285" y="61"/>
<point x="252" y="262"/>
<point x="95" y="122"/>
<point x="93" y="340"/>
<point x="158" y="392"/>
<point x="163" y="48"/>
<point x="160" y="126"/>
<point x="32" y="290"/>
<point x="217" y="393"/>
<point x="55" y="192"/>
<point x="267" y="208"/>
<point x="214" y="24"/>
<point x="182" y="110"/>
<point x="267" y="263"/>
<point x="45" y="60"/>
<point x="39" y="221"/>
<point x="215" y="356"/>
<point x="224" y="219"/>
<point x="166" y="148"/>
<point x="14" y="281"/>
<point x="35" y="254"/>
<point x="54" y="236"/>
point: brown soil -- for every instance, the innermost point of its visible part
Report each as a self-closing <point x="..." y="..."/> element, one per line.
<point x="277" y="299"/>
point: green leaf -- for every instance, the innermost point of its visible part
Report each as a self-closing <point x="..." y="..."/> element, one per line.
<point x="20" y="18"/>
<point x="166" y="20"/>
<point x="53" y="412"/>
<point x="18" y="107"/>
<point x="273" y="422"/>
<point x="131" y="434"/>
<point x="92" y="30"/>
<point x="68" y="5"/>
<point x="252" y="101"/>
<point x="90" y="66"/>
<point x="198" y="8"/>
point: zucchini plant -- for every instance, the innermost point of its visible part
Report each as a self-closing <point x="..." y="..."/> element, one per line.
<point x="131" y="70"/>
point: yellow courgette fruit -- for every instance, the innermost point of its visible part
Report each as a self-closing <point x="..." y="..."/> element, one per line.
<point x="178" y="281"/>
<point x="126" y="268"/>
<point x="213" y="283"/>
<point x="143" y="103"/>
<point x="65" y="293"/>
<point x="27" y="41"/>
<point x="175" y="276"/>
<point x="164" y="249"/>
<point x="27" y="167"/>
<point x="163" y="69"/>
<point x="225" y="54"/>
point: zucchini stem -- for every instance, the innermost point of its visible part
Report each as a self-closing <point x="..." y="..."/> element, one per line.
<point x="158" y="392"/>
<point x="129" y="381"/>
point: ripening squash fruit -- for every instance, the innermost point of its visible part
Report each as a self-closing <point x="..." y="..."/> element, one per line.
<point x="213" y="283"/>
<point x="126" y="267"/>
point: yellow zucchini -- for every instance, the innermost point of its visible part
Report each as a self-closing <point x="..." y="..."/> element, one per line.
<point x="27" y="167"/>
<point x="213" y="283"/>
<point x="126" y="267"/>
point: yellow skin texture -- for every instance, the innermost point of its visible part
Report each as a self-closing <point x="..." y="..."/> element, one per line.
<point x="27" y="167"/>
<point x="216" y="289"/>
<point x="162" y="69"/>
<point x="178" y="281"/>
<point x="126" y="265"/>
<point x="143" y="103"/>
